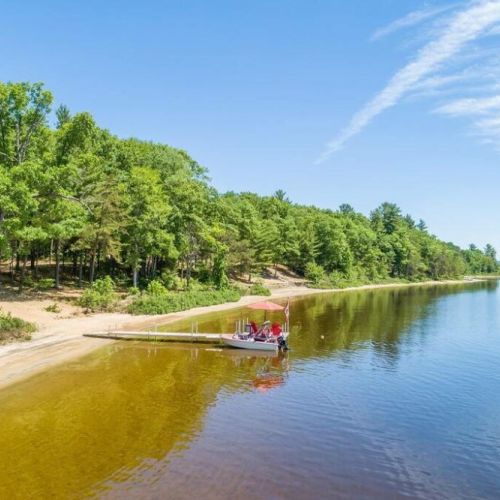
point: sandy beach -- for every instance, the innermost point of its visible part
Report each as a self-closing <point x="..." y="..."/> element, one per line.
<point x="60" y="336"/>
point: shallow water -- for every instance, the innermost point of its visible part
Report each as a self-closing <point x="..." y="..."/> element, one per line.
<point x="386" y="393"/>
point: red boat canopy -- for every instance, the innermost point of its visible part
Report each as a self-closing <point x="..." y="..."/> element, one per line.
<point x="266" y="306"/>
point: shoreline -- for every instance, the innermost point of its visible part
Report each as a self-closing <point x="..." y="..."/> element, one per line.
<point x="60" y="340"/>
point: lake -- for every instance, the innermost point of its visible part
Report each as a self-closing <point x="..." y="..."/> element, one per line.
<point x="388" y="393"/>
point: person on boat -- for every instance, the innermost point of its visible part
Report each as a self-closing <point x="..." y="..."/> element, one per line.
<point x="263" y="333"/>
<point x="276" y="329"/>
<point x="254" y="329"/>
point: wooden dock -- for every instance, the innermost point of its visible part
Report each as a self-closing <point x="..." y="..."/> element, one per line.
<point x="153" y="336"/>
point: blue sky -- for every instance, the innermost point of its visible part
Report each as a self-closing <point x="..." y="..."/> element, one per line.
<point x="358" y="101"/>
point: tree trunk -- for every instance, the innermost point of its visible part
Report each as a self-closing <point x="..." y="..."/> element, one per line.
<point x="11" y="269"/>
<point x="58" y="264"/>
<point x="80" y="270"/>
<point x="98" y="261"/>
<point x="32" y="260"/>
<point x="188" y="273"/>
<point x="23" y="272"/>
<point x="134" y="277"/>
<point x="93" y="254"/>
<point x="91" y="267"/>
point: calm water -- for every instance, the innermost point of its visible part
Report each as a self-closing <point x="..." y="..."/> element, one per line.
<point x="385" y="394"/>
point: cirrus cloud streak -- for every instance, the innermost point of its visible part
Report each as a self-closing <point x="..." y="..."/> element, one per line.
<point x="463" y="28"/>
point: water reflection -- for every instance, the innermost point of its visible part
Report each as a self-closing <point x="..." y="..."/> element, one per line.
<point x="323" y="324"/>
<point x="113" y="410"/>
<point x="369" y="377"/>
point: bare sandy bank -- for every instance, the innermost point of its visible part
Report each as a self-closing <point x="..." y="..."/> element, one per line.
<point x="60" y="337"/>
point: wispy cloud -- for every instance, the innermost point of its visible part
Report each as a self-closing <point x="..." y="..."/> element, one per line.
<point x="464" y="27"/>
<point x="412" y="19"/>
<point x="485" y="112"/>
<point x="471" y="106"/>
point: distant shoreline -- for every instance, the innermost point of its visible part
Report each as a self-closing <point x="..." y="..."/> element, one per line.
<point x="60" y="340"/>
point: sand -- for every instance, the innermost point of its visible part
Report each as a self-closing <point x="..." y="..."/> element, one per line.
<point x="60" y="335"/>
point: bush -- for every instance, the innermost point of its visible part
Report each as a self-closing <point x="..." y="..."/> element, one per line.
<point x="100" y="296"/>
<point x="53" y="308"/>
<point x="155" y="288"/>
<point x="259" y="289"/>
<point x="45" y="284"/>
<point x="28" y="282"/>
<point x="12" y="328"/>
<point x="155" y="301"/>
<point x="314" y="273"/>
<point x="196" y="286"/>
<point x="170" y="280"/>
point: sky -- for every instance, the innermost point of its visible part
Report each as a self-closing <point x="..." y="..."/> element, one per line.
<point x="333" y="101"/>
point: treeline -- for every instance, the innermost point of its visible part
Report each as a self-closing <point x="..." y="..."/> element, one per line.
<point x="79" y="197"/>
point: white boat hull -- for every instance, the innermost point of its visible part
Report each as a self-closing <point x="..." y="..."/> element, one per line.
<point x="250" y="344"/>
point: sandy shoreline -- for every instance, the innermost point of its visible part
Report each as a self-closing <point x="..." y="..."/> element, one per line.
<point x="60" y="338"/>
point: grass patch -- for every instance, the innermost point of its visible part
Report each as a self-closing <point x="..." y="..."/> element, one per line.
<point x="158" y="300"/>
<point x="53" y="308"/>
<point x="259" y="289"/>
<point x="12" y="328"/>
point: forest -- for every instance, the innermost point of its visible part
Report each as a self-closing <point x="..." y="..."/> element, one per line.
<point x="92" y="205"/>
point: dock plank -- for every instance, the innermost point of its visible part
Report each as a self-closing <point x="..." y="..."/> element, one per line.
<point x="158" y="336"/>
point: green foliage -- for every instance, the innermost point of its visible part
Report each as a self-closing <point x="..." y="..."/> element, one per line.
<point x="259" y="289"/>
<point x="170" y="280"/>
<point x="54" y="308"/>
<point x="314" y="273"/>
<point x="219" y="276"/>
<point x="156" y="289"/>
<point x="481" y="262"/>
<point x="12" y="328"/>
<point x="163" y="302"/>
<point x="44" y="284"/>
<point x="76" y="193"/>
<point x="100" y="296"/>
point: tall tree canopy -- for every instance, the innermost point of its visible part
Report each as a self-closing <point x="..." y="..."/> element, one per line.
<point x="139" y="210"/>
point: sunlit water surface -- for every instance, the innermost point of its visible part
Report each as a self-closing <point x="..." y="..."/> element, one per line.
<point x="390" y="393"/>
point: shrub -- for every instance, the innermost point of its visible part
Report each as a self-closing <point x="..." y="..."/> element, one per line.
<point x="100" y="296"/>
<point x="133" y="290"/>
<point x="12" y="328"/>
<point x="45" y="284"/>
<point x="259" y="289"/>
<point x="196" y="286"/>
<point x="170" y="280"/>
<point x="155" y="288"/>
<point x="28" y="282"/>
<point x="163" y="302"/>
<point x="54" y="308"/>
<point x="314" y="273"/>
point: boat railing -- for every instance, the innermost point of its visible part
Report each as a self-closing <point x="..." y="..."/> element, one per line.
<point x="243" y="326"/>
